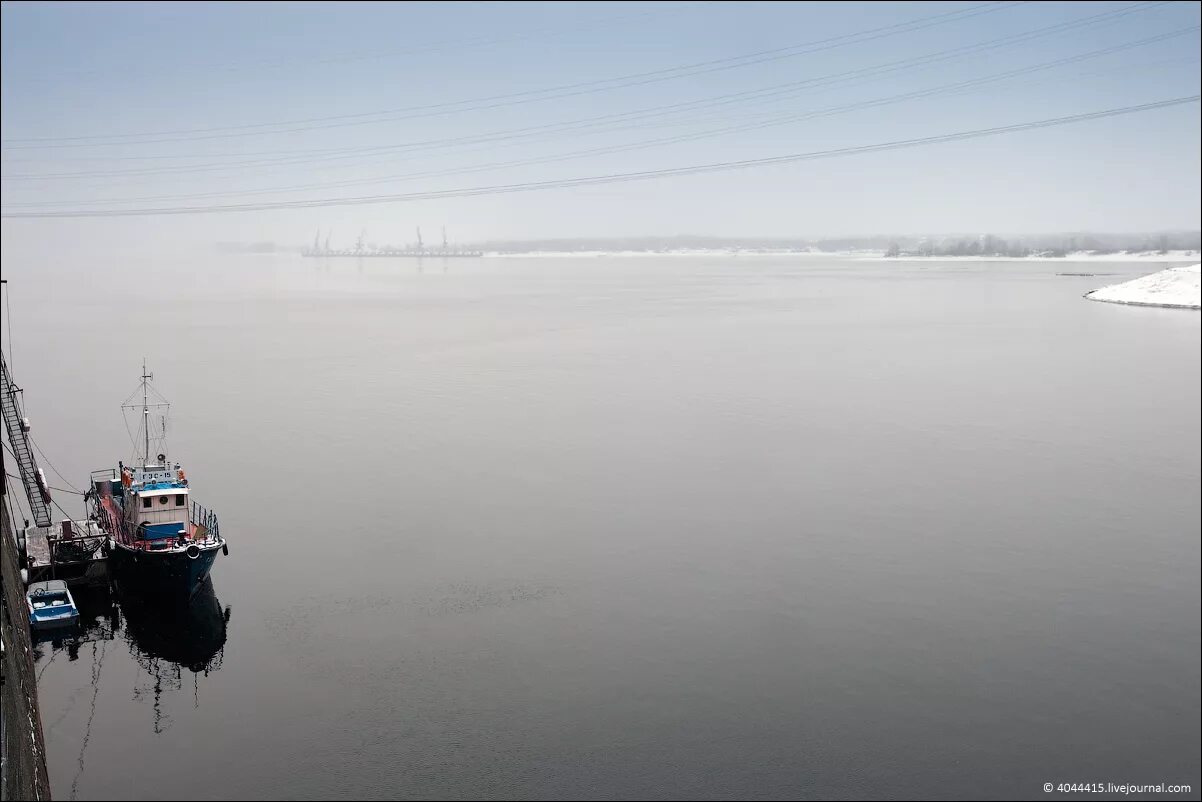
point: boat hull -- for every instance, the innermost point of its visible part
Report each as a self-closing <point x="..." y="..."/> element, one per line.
<point x="174" y="572"/>
<point x="38" y="623"/>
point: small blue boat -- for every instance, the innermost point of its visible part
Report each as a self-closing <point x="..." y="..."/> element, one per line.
<point x="51" y="605"/>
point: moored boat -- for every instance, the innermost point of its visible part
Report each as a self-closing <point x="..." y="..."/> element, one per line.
<point x="51" y="605"/>
<point x="159" y="540"/>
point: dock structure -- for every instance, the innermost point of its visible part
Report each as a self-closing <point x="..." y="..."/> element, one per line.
<point x="22" y="747"/>
<point x="70" y="550"/>
<point x="73" y="551"/>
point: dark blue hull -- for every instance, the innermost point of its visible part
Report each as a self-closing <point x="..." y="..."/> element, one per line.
<point x="167" y="573"/>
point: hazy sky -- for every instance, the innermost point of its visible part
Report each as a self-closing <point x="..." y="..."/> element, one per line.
<point x="261" y="103"/>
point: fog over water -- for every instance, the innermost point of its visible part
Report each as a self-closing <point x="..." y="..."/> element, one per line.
<point x="708" y="527"/>
<point x="621" y="509"/>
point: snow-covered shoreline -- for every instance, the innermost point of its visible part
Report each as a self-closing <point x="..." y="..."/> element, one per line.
<point x="871" y="256"/>
<point x="1176" y="287"/>
<point x="1075" y="256"/>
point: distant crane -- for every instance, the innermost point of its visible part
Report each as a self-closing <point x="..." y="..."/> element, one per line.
<point x="327" y="248"/>
<point x="359" y="242"/>
<point x="419" y="239"/>
<point x="316" y="237"/>
<point x="444" y="239"/>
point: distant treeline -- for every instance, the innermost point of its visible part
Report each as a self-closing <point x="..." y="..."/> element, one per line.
<point x="650" y="244"/>
<point x="943" y="245"/>
<point x="1011" y="245"/>
<point x="1045" y="245"/>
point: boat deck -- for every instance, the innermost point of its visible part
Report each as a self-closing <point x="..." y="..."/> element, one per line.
<point x="201" y="526"/>
<point x="48" y="553"/>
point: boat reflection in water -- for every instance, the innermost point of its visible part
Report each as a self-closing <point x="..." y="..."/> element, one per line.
<point x="165" y="638"/>
<point x="187" y="635"/>
<point x="168" y="637"/>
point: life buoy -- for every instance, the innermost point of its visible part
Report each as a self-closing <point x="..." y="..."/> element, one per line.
<point x="43" y="488"/>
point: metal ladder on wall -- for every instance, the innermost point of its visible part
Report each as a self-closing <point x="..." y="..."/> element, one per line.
<point x="18" y="438"/>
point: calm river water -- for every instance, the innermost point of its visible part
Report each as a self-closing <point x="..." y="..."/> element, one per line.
<point x="634" y="527"/>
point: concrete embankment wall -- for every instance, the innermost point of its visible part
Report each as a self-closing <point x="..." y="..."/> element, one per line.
<point x="24" y="771"/>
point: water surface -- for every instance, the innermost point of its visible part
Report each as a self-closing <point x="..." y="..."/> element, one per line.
<point x="677" y="527"/>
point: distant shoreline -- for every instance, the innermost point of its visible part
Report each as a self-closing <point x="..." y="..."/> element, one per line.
<point x="860" y="255"/>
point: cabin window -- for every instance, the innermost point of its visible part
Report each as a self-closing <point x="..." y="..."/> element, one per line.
<point x="146" y="502"/>
<point x="180" y="499"/>
<point x="162" y="499"/>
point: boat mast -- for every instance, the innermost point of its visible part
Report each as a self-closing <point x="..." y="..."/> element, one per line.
<point x="131" y="405"/>
<point x="145" y="414"/>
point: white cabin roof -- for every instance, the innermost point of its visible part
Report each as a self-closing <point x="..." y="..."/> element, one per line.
<point x="168" y="491"/>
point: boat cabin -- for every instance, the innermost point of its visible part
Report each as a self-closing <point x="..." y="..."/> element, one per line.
<point x="156" y="502"/>
<point x="149" y="474"/>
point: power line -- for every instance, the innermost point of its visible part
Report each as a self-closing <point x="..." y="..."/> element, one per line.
<point x="16" y="498"/>
<point x="56" y="470"/>
<point x="612" y="178"/>
<point x="52" y="487"/>
<point x="550" y="93"/>
<point x="772" y="122"/>
<point x="596" y="122"/>
<point x="429" y="48"/>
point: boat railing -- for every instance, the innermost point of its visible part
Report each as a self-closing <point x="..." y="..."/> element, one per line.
<point x="202" y="526"/>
